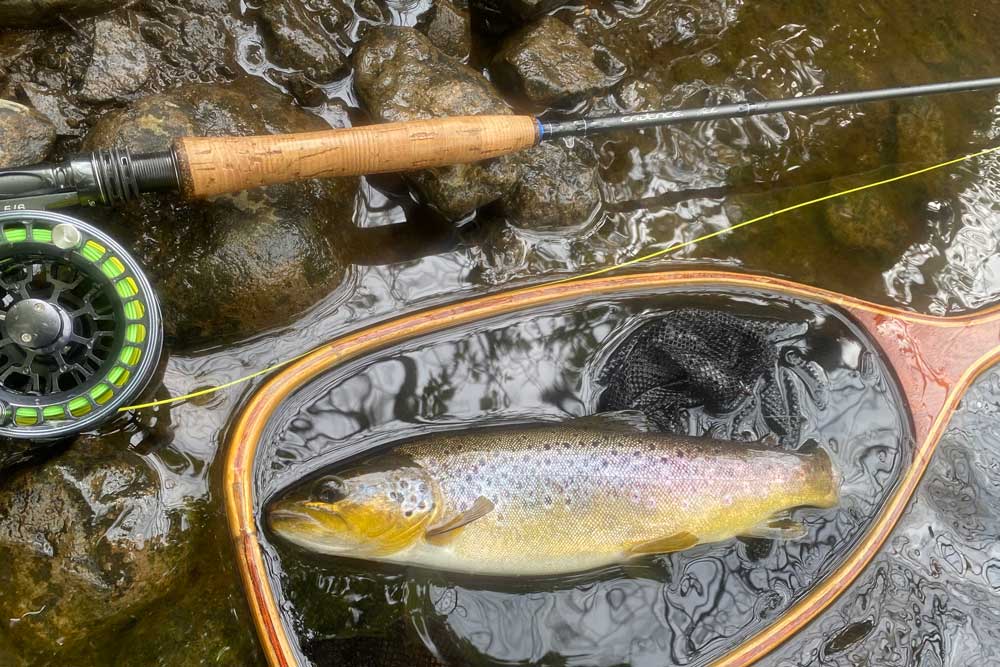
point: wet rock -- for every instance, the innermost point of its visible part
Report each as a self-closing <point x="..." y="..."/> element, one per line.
<point x="203" y="615"/>
<point x="449" y="29"/>
<point x="87" y="545"/>
<point x="297" y="40"/>
<point x="190" y="41"/>
<point x="548" y="65"/>
<point x="65" y="117"/>
<point x="876" y="221"/>
<point x="401" y="75"/>
<point x="558" y="188"/>
<point x="20" y="452"/>
<point x="26" y="136"/>
<point x="37" y="13"/>
<point x="119" y="66"/>
<point x="235" y="265"/>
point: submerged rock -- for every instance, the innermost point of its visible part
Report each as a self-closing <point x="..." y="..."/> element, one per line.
<point x="921" y="132"/>
<point x="38" y="13"/>
<point x="548" y="64"/>
<point x="237" y="264"/>
<point x="203" y="616"/>
<point x="119" y="66"/>
<point x="401" y="75"/>
<point x="876" y="221"/>
<point x="26" y="136"/>
<point x="449" y="29"/>
<point x="86" y="545"/>
<point x="558" y="187"/>
<point x="9" y="655"/>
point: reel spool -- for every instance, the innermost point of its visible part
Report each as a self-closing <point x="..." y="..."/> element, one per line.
<point x="80" y="324"/>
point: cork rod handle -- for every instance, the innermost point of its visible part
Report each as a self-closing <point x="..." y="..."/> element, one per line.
<point x="218" y="165"/>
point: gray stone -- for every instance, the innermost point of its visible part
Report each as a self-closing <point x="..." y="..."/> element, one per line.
<point x="548" y="65"/>
<point x="297" y="40"/>
<point x="558" y="188"/>
<point x="119" y="66"/>
<point x="26" y="136"/>
<point x="87" y="545"/>
<point x="449" y="29"/>
<point x="401" y="75"/>
<point x="235" y="265"/>
<point x="38" y="13"/>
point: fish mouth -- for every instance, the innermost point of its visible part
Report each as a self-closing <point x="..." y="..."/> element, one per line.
<point x="302" y="516"/>
<point x="313" y="528"/>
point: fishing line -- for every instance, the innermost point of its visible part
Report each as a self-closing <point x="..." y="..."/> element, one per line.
<point x="772" y="214"/>
<point x="609" y="269"/>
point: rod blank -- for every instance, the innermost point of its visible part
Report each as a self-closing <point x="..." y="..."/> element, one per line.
<point x="583" y="126"/>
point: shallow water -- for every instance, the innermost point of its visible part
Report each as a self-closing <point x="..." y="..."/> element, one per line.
<point x="931" y="596"/>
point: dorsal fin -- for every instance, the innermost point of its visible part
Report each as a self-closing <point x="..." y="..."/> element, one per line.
<point x="808" y="447"/>
<point x="479" y="508"/>
<point x="629" y="421"/>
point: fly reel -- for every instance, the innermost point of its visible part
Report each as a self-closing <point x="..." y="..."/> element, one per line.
<point x="81" y="327"/>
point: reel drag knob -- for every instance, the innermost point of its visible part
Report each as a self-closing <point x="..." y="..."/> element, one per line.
<point x="80" y="324"/>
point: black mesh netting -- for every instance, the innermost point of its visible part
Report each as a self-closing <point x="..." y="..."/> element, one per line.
<point x="734" y="368"/>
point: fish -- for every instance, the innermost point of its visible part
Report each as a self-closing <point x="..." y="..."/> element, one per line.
<point x="553" y="498"/>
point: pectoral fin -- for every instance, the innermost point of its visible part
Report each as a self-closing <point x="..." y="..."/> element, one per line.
<point x="663" y="545"/>
<point x="480" y="508"/>
<point x="782" y="528"/>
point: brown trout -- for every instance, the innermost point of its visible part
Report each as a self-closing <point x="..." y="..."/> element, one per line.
<point x="554" y="498"/>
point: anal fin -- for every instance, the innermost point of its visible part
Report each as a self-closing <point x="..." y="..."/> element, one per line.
<point x="479" y="508"/>
<point x="781" y="528"/>
<point x="662" y="545"/>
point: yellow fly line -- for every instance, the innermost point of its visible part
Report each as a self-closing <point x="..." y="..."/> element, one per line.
<point x="615" y="267"/>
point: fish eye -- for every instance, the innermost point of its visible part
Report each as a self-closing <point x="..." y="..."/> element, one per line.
<point x="331" y="489"/>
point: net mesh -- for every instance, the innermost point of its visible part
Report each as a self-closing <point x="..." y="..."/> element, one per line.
<point x="730" y="369"/>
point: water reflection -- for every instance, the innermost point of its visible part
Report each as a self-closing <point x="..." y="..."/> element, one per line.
<point x="682" y="608"/>
<point x="929" y="597"/>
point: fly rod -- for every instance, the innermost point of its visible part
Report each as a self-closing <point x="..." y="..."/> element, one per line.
<point x="199" y="167"/>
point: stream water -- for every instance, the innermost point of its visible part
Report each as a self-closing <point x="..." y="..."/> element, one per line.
<point x="928" y="244"/>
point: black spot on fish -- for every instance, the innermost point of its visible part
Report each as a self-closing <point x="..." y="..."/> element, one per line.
<point x="548" y="445"/>
<point x="408" y="513"/>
